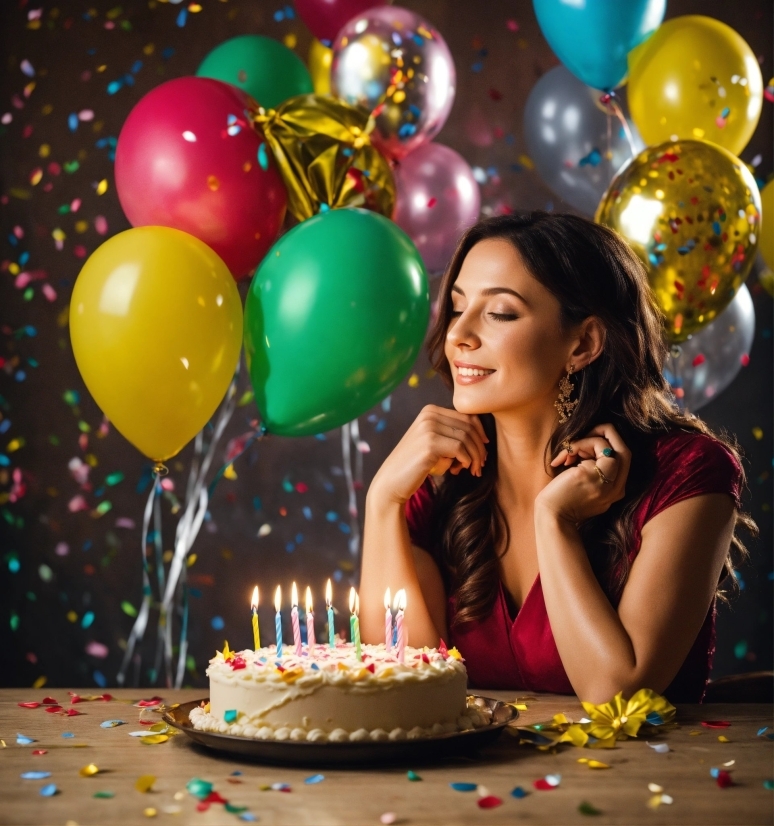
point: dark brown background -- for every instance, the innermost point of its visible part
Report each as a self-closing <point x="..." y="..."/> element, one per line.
<point x="101" y="566"/>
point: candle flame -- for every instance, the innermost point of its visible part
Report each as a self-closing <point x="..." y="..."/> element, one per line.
<point x="278" y="599"/>
<point x="308" y="600"/>
<point x="352" y="598"/>
<point x="387" y="600"/>
<point x="328" y="594"/>
<point x="254" y="600"/>
<point x="294" y="595"/>
<point x="400" y="600"/>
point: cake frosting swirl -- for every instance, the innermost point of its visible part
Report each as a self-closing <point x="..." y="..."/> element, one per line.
<point x="330" y="695"/>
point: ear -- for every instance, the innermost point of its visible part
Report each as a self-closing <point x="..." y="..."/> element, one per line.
<point x="589" y="342"/>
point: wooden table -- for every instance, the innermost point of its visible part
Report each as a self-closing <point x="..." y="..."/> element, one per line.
<point x="620" y="793"/>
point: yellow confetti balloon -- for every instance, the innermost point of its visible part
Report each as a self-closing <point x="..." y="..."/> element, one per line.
<point x="320" y="59"/>
<point x="691" y="211"/>
<point x="767" y="225"/>
<point x="695" y="78"/>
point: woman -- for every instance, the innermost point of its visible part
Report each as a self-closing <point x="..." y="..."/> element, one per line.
<point x="582" y="527"/>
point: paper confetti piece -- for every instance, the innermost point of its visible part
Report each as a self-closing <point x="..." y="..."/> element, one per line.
<point x="106" y="795"/>
<point x="149" y="812"/>
<point x="154" y="739"/>
<point x="315" y="778"/>
<point x="464" y="787"/>
<point x="145" y="783"/>
<point x="519" y="793"/>
<point x="768" y="784"/>
<point x="49" y="791"/>
<point x="199" y="788"/>
<point x="659" y="748"/>
<point x="111" y="723"/>
<point x="22" y="740"/>
<point x="89" y="771"/>
<point x="413" y="776"/>
<point x="489" y="802"/>
<point x="35" y="775"/>
<point x="593" y="764"/>
<point x="715" y="723"/>
<point x="550" y="781"/>
<point x="388" y="818"/>
<point x="39" y="752"/>
<point x="723" y="739"/>
<point x="587" y="809"/>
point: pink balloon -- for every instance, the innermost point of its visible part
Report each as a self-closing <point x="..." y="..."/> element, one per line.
<point x="324" y="18"/>
<point x="188" y="157"/>
<point x="437" y="200"/>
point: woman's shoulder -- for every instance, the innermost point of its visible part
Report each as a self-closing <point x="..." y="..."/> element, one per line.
<point x="691" y="463"/>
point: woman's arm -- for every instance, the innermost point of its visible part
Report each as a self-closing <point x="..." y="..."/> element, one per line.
<point x="664" y="603"/>
<point x="438" y="440"/>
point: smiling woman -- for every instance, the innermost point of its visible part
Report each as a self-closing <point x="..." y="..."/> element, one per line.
<point x="564" y="525"/>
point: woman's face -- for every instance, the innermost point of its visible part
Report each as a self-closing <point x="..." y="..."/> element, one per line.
<point x="505" y="345"/>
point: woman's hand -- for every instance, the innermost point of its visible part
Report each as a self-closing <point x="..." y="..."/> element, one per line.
<point x="438" y="440"/>
<point x="597" y="468"/>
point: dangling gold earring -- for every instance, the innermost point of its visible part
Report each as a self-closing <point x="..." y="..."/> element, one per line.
<point x="563" y="403"/>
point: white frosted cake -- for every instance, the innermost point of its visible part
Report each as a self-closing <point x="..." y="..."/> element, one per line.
<point x="332" y="696"/>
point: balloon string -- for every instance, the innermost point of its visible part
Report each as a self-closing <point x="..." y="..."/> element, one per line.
<point x="346" y="450"/>
<point x="609" y="99"/>
<point x="140" y="624"/>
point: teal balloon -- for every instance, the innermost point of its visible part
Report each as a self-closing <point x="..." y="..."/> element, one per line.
<point x="266" y="69"/>
<point x="592" y="38"/>
<point x="334" y="319"/>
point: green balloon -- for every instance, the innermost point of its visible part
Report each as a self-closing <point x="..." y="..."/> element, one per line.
<point x="334" y="319"/>
<point x="262" y="66"/>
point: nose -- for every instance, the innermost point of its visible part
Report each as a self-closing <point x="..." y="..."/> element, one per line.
<point x="462" y="331"/>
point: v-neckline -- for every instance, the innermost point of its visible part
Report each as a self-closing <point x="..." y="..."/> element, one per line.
<point x="505" y="594"/>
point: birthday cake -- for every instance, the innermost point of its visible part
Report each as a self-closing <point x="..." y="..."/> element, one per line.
<point x="331" y="695"/>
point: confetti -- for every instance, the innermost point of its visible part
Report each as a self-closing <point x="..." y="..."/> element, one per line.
<point x="89" y="771"/>
<point x="106" y="795"/>
<point x="388" y="818"/>
<point x="22" y="740"/>
<point x="315" y="778"/>
<point x="550" y="781"/>
<point x="413" y="776"/>
<point x="49" y="791"/>
<point x="35" y="775"/>
<point x="659" y="748"/>
<point x="519" y="793"/>
<point x="587" y="809"/>
<point x="489" y="802"/>
<point x="145" y="783"/>
<point x="716" y="724"/>
<point x="464" y="787"/>
<point x="154" y="739"/>
<point x="111" y="723"/>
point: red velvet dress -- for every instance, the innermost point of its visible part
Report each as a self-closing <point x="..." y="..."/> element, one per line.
<point x="502" y="652"/>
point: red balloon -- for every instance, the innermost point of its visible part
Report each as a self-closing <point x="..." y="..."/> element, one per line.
<point x="324" y="18"/>
<point x="189" y="157"/>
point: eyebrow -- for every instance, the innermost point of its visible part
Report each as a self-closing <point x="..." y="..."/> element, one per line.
<point x="494" y="291"/>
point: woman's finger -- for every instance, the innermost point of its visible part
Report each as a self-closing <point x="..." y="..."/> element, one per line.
<point x="464" y="417"/>
<point x="464" y="430"/>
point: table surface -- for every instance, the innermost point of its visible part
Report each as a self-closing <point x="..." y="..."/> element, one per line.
<point x="620" y="793"/>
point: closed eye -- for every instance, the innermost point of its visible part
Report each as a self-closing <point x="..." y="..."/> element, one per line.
<point x="503" y="316"/>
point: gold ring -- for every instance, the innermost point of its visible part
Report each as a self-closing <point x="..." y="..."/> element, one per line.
<point x="602" y="478"/>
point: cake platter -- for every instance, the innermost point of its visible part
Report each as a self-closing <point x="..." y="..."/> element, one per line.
<point x="354" y="754"/>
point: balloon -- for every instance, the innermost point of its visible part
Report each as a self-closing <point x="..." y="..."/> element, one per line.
<point x="691" y="211"/>
<point x="334" y="319"/>
<point x="320" y="59"/>
<point x="324" y="18"/>
<point x="263" y="67"/>
<point x="767" y="224"/>
<point x="593" y="38"/>
<point x="705" y="364"/>
<point x="396" y="65"/>
<point x="323" y="150"/>
<point x="695" y="78"/>
<point x="576" y="143"/>
<point x="438" y="199"/>
<point x="156" y="328"/>
<point x="189" y="157"/>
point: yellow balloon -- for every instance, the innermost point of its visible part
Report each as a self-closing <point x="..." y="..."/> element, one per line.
<point x="320" y="59"/>
<point x="691" y="211"/>
<point x="695" y="78"/>
<point x="156" y="329"/>
<point x="767" y="225"/>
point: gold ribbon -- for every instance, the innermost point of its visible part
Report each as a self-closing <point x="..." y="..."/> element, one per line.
<point x="323" y="150"/>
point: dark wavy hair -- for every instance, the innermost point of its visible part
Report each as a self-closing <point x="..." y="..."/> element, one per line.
<point x="591" y="271"/>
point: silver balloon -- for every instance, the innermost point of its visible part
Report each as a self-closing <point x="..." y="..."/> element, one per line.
<point x="704" y="365"/>
<point x="576" y="143"/>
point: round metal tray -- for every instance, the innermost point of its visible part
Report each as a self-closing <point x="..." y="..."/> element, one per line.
<point x="354" y="754"/>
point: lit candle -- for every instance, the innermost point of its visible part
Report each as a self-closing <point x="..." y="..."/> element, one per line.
<point x="309" y="622"/>
<point x="400" y="605"/>
<point x="256" y="632"/>
<point x="387" y="621"/>
<point x="328" y="600"/>
<point x="294" y="619"/>
<point x="278" y="619"/>
<point x="354" y="623"/>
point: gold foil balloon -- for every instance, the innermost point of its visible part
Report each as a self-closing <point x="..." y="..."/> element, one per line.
<point x="691" y="211"/>
<point x="320" y="59"/>
<point x="397" y="66"/>
<point x="767" y="227"/>
<point x="323" y="150"/>
<point x="695" y="78"/>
